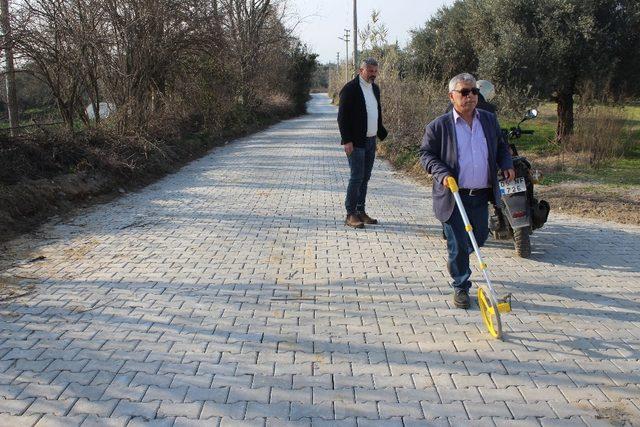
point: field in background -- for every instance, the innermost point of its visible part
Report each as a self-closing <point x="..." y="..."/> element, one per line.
<point x="593" y="174"/>
<point x="608" y="128"/>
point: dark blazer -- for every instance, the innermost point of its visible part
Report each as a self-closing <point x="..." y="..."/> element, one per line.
<point x="439" y="156"/>
<point x="352" y="114"/>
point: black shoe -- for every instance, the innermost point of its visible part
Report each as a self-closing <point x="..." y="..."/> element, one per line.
<point x="461" y="299"/>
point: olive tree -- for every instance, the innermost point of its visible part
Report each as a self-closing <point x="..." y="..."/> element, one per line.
<point x="557" y="47"/>
<point x="552" y="47"/>
<point x="443" y="47"/>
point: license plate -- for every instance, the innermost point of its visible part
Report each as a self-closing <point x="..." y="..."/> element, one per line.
<point x="511" y="187"/>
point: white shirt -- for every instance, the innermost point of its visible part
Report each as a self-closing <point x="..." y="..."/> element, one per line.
<point x="372" y="107"/>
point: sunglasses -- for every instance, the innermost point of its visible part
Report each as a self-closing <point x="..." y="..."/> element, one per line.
<point x="466" y="91"/>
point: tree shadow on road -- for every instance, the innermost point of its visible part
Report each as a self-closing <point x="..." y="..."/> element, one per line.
<point x="593" y="248"/>
<point x="267" y="335"/>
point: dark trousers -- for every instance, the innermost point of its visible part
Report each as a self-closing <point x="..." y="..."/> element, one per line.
<point x="458" y="242"/>
<point x="361" y="164"/>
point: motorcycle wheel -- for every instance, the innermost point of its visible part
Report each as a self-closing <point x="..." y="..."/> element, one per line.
<point x="522" y="242"/>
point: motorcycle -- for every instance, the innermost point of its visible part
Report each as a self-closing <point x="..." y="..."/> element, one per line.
<point x="519" y="212"/>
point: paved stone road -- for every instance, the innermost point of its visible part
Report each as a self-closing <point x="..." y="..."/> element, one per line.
<point x="230" y="293"/>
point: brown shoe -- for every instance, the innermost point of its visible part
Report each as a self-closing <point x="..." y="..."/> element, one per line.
<point x="353" y="221"/>
<point x="367" y="219"/>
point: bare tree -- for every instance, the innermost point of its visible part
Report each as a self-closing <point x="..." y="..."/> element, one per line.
<point x="10" y="76"/>
<point x="146" y="43"/>
<point x="146" y="55"/>
<point x="91" y="25"/>
<point x="56" y="38"/>
<point x="252" y="28"/>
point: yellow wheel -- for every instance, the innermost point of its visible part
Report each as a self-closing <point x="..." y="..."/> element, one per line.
<point x="490" y="313"/>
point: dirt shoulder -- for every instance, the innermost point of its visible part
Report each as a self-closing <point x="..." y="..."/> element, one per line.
<point x="596" y="201"/>
<point x="28" y="203"/>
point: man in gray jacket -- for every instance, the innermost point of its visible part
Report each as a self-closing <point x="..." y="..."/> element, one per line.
<point x="465" y="143"/>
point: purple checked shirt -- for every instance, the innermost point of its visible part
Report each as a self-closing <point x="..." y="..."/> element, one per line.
<point x="473" y="154"/>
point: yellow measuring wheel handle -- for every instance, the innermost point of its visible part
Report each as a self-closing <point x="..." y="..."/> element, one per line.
<point x="453" y="185"/>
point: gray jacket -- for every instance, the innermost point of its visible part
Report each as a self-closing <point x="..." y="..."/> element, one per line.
<point x="439" y="157"/>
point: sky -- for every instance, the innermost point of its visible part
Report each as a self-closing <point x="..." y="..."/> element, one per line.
<point x="323" y="21"/>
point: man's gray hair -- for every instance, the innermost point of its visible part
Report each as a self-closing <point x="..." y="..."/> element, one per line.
<point x="368" y="62"/>
<point x="460" y="78"/>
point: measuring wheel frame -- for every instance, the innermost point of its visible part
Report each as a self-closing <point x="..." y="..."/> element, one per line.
<point x="490" y="313"/>
<point x="490" y="306"/>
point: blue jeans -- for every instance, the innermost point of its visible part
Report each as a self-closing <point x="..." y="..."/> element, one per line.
<point x="459" y="245"/>
<point x="361" y="164"/>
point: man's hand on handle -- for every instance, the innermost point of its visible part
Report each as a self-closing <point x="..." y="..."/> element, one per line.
<point x="348" y="148"/>
<point x="509" y="174"/>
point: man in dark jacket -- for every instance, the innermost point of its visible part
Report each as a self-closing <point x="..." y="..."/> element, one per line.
<point x="486" y="88"/>
<point x="466" y="144"/>
<point x="360" y="122"/>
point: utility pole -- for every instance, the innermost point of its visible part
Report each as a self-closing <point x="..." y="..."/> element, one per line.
<point x="10" y="75"/>
<point x="337" y="61"/>
<point x="346" y="67"/>
<point x="355" y="36"/>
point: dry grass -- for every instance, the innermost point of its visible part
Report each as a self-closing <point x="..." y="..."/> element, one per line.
<point x="409" y="105"/>
<point x="603" y="144"/>
<point x="601" y="134"/>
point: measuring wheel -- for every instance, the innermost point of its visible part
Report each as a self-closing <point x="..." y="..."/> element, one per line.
<point x="490" y="313"/>
<point x="490" y="305"/>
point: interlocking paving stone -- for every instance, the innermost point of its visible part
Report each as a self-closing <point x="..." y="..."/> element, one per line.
<point x="44" y="406"/>
<point x="347" y="422"/>
<point x="19" y="421"/>
<point x="189" y="422"/>
<point x="259" y="410"/>
<point x="14" y="406"/>
<point x="132" y="409"/>
<point x="103" y="408"/>
<point x="187" y="410"/>
<point x="157" y="422"/>
<point x="230" y="292"/>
